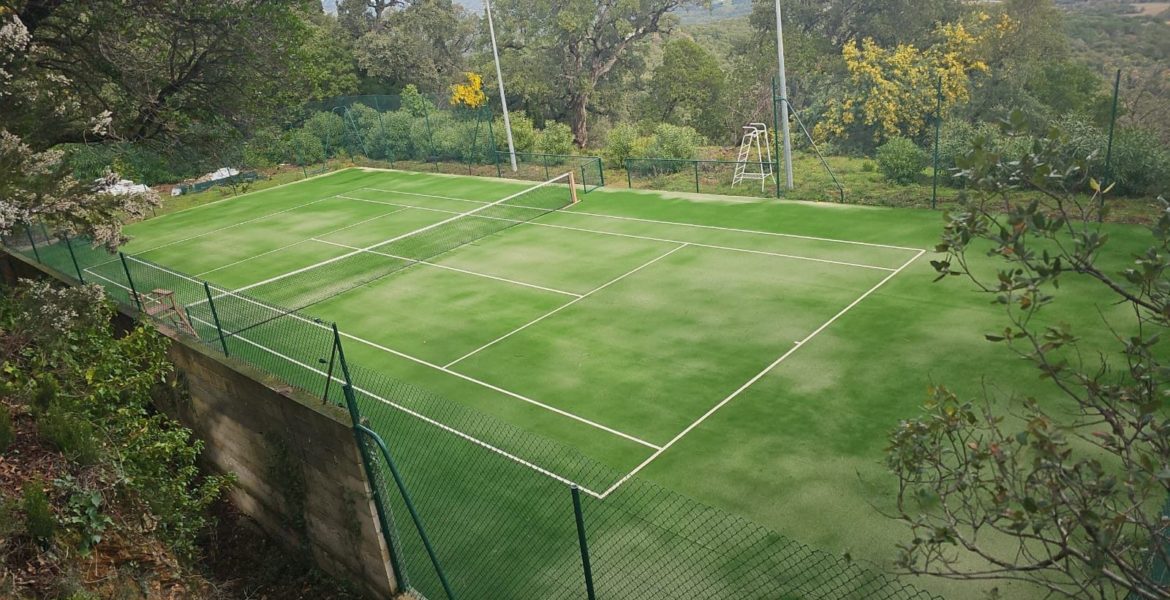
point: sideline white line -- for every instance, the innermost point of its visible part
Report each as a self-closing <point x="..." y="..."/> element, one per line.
<point x="638" y="237"/>
<point x="287" y="246"/>
<point x="564" y="306"/>
<point x="393" y="239"/>
<point x="415" y="414"/>
<point x="681" y="223"/>
<point x="449" y="268"/>
<point x="758" y="376"/>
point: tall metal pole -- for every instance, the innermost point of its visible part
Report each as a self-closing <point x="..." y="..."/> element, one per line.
<point x="783" y="97"/>
<point x="500" y="78"/>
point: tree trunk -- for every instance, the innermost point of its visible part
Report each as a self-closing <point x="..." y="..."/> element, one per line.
<point x="578" y="116"/>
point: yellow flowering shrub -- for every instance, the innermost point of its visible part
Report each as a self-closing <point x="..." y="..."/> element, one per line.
<point x="470" y="92"/>
<point x="891" y="91"/>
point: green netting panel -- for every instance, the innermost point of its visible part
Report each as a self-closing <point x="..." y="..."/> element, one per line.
<point x="701" y="176"/>
<point x="539" y="167"/>
<point x="361" y="266"/>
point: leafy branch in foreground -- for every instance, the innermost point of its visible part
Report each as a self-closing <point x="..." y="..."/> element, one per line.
<point x="1069" y="490"/>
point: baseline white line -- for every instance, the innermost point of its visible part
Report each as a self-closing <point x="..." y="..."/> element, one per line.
<point x="638" y="237"/>
<point x="449" y="268"/>
<point x="285" y="247"/>
<point x="682" y="223"/>
<point x="758" y="376"/>
<point x="414" y="414"/>
<point x="468" y="378"/>
<point x="393" y="239"/>
<point x="564" y="306"/>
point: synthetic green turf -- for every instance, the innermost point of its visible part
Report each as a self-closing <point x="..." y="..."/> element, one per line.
<point x="799" y="451"/>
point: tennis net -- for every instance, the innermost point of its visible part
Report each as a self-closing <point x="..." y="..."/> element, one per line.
<point x="360" y="266"/>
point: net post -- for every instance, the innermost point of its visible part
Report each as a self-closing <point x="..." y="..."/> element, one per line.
<point x="130" y="282"/>
<point x="584" y="544"/>
<point x="32" y="242"/>
<point x="573" y="186"/>
<point x="215" y="317"/>
<point x="73" y="257"/>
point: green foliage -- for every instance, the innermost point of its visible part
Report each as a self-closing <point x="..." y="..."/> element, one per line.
<point x="673" y="141"/>
<point x="523" y="132"/>
<point x="76" y="439"/>
<point x="901" y="160"/>
<point x="687" y="89"/>
<point x="555" y="138"/>
<point x="414" y="103"/>
<point x="83" y="512"/>
<point x="39" y="522"/>
<point x="304" y="148"/>
<point x="72" y="367"/>
<point x="1141" y="164"/>
<point x="329" y="129"/>
<point x="7" y="434"/>
<point x="621" y="144"/>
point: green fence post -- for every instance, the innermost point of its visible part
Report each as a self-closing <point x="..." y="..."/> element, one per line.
<point x="629" y="178"/>
<point x="601" y="171"/>
<point x="1109" y="148"/>
<point x="544" y="160"/>
<point x="937" y="135"/>
<point x="379" y="502"/>
<point x="215" y="317"/>
<point x="329" y="373"/>
<point x="130" y="282"/>
<point x="73" y="257"/>
<point x="583" y="543"/>
<point x="32" y="242"/>
<point x="696" y="163"/>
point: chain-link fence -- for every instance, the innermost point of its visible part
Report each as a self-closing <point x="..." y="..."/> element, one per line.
<point x="473" y="507"/>
<point x="532" y="166"/>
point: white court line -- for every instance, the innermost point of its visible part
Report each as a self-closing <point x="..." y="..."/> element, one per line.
<point x="449" y="268"/>
<point x="391" y="240"/>
<point x="680" y="223"/>
<point x="564" y="306"/>
<point x="279" y="212"/>
<point x="285" y="247"/>
<point x="637" y="237"/>
<point x="758" y="376"/>
<point x="426" y="363"/>
<point x="415" y="414"/>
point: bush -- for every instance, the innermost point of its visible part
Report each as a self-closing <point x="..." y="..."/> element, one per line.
<point x="1141" y="164"/>
<point x="265" y="148"/>
<point x="556" y="138"/>
<point x="329" y="128"/>
<point x="74" y="437"/>
<point x="621" y="144"/>
<point x="901" y="160"/>
<point x="39" y="522"/>
<point x="6" y="432"/>
<point x="674" y="141"/>
<point x="523" y="132"/>
<point x="304" y="148"/>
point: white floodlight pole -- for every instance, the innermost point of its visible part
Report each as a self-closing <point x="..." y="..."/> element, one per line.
<point x="783" y="97"/>
<point x="500" y="79"/>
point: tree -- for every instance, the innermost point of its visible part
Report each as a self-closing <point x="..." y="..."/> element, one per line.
<point x="150" y="65"/>
<point x="687" y="88"/>
<point x="424" y="44"/>
<point x="37" y="186"/>
<point x="887" y="22"/>
<point x="1067" y="491"/>
<point x="564" y="50"/>
<point x="891" y="92"/>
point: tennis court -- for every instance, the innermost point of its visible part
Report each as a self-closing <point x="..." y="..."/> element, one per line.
<point x="618" y="336"/>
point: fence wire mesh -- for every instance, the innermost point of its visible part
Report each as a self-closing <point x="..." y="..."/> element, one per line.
<point x="494" y="500"/>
